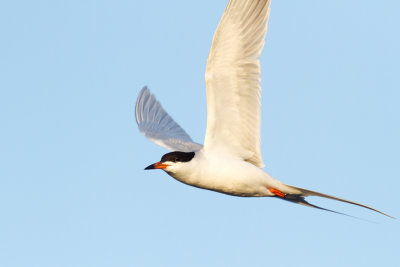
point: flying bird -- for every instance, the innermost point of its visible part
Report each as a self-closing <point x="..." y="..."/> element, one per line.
<point x="230" y="160"/>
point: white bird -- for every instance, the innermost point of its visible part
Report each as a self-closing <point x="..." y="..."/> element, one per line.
<point x="230" y="160"/>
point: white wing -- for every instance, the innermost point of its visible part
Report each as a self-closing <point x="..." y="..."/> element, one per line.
<point x="233" y="81"/>
<point x="155" y="123"/>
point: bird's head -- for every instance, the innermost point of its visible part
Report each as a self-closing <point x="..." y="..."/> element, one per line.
<point x="172" y="161"/>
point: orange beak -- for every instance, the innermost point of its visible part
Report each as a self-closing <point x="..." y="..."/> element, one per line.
<point x="157" y="165"/>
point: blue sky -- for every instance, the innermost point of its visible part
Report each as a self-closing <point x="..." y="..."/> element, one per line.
<point x="73" y="191"/>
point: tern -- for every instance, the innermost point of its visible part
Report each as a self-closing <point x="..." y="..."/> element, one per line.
<point x="230" y="160"/>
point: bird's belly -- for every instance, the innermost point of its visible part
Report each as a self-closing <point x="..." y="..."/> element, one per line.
<point x="231" y="182"/>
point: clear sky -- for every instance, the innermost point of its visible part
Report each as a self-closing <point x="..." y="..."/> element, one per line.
<point x="73" y="191"/>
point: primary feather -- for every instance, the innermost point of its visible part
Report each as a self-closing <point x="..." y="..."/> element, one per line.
<point x="158" y="126"/>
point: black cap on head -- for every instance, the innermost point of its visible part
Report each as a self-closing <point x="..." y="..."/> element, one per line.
<point x="178" y="156"/>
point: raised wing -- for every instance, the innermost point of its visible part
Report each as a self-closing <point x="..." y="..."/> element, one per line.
<point x="233" y="81"/>
<point x="158" y="126"/>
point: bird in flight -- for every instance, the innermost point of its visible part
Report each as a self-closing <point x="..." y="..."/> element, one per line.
<point x="230" y="160"/>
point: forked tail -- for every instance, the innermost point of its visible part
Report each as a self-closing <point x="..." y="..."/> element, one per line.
<point x="299" y="199"/>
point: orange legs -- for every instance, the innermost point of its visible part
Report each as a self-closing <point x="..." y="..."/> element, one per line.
<point x="277" y="193"/>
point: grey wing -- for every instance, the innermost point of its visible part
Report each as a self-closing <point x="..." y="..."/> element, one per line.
<point x="158" y="126"/>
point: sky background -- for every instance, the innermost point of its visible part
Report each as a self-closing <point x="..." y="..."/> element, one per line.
<point x="73" y="191"/>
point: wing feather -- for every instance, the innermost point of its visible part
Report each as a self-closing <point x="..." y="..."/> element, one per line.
<point x="158" y="126"/>
<point x="233" y="81"/>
